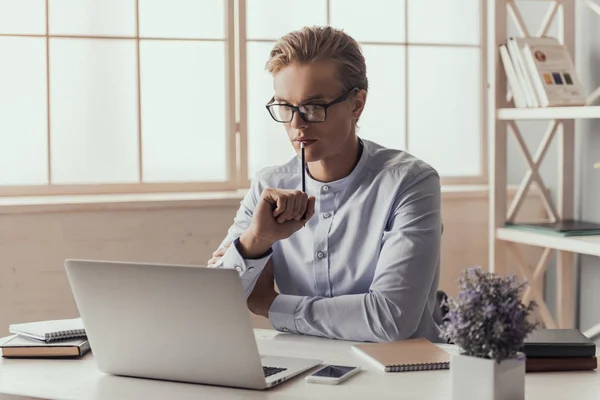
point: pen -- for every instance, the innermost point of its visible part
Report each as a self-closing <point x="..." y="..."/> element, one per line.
<point x="303" y="174"/>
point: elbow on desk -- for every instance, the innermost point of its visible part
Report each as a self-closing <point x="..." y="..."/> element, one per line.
<point x="387" y="321"/>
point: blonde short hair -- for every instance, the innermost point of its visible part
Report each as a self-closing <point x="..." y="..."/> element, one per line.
<point x="322" y="43"/>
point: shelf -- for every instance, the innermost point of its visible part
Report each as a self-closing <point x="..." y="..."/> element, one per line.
<point x="549" y="113"/>
<point x="576" y="244"/>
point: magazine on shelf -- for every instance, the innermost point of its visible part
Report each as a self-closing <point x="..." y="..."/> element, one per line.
<point x="544" y="71"/>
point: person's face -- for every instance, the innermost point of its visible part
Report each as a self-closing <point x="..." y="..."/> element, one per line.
<point x="317" y="83"/>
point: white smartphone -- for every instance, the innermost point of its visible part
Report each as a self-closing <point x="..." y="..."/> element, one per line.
<point x="333" y="374"/>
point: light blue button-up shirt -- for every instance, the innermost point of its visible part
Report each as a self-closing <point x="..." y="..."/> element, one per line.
<point x="366" y="266"/>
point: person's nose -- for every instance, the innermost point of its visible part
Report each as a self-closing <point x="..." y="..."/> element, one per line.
<point x="298" y="122"/>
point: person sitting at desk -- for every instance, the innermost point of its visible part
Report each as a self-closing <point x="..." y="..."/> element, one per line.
<point x="364" y="263"/>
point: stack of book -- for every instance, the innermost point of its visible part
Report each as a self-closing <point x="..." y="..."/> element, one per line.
<point x="559" y="350"/>
<point x="59" y="338"/>
<point x="540" y="73"/>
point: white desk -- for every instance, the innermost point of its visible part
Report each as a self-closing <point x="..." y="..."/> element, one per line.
<point x="79" y="379"/>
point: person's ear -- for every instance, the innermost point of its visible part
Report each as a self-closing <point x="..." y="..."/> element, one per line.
<point x="360" y="99"/>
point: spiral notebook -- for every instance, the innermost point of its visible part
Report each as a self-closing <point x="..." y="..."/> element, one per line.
<point x="405" y="355"/>
<point x="49" y="331"/>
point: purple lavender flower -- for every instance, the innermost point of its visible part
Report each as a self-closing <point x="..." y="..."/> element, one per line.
<point x="488" y="319"/>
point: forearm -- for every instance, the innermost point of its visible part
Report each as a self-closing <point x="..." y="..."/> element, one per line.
<point x="252" y="246"/>
<point x="369" y="317"/>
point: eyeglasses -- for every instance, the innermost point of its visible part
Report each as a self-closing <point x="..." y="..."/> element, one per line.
<point x="284" y="113"/>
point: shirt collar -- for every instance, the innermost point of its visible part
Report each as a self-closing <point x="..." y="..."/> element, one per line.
<point x="313" y="186"/>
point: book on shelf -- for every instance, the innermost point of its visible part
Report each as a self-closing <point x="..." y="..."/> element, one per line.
<point x="513" y="79"/>
<point x="541" y="73"/>
<point x="560" y="228"/>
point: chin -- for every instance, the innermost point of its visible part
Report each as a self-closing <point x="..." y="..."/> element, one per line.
<point x="311" y="155"/>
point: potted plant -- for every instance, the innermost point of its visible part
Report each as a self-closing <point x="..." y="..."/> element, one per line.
<point x="489" y="323"/>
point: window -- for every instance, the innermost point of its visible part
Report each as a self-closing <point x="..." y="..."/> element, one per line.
<point x="107" y="96"/>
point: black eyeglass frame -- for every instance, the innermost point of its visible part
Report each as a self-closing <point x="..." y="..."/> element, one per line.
<point x="295" y="109"/>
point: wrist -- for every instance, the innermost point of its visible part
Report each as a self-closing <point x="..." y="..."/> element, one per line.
<point x="269" y="299"/>
<point x="253" y="245"/>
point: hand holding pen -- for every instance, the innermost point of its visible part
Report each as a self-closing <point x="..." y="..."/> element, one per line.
<point x="278" y="214"/>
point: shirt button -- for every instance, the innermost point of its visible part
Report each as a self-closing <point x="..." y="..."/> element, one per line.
<point x="238" y="268"/>
<point x="250" y="268"/>
<point x="325" y="188"/>
<point x="320" y="254"/>
<point x="326" y="215"/>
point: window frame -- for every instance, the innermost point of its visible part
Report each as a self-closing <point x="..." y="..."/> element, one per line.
<point x="236" y="110"/>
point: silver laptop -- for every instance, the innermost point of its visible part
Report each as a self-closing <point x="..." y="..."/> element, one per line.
<point x="173" y="322"/>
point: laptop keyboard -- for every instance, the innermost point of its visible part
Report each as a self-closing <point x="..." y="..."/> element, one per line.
<point x="272" y="371"/>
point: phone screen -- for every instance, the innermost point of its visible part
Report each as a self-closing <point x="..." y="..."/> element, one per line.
<point x="333" y="371"/>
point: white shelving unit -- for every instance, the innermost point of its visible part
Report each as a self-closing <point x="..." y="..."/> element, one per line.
<point x="508" y="114"/>
<point x="589" y="245"/>
<point x="503" y="237"/>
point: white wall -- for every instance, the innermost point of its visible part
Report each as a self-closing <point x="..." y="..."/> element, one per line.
<point x="34" y="245"/>
<point x="33" y="284"/>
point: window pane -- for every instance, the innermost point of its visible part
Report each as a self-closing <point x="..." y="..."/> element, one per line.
<point x="383" y="120"/>
<point x="444" y="108"/>
<point x="23" y="16"/>
<point x="92" y="17"/>
<point x="271" y="19"/>
<point x="380" y="20"/>
<point x="93" y="113"/>
<point x="268" y="143"/>
<point x="183" y="111"/>
<point x="23" y="118"/>
<point x="182" y="18"/>
<point x="444" y="21"/>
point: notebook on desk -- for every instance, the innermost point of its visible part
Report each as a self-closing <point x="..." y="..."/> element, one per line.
<point x="553" y="343"/>
<point x="49" y="331"/>
<point x="405" y="355"/>
<point x="24" y="347"/>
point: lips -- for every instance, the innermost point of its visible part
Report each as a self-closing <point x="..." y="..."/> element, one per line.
<point x="307" y="142"/>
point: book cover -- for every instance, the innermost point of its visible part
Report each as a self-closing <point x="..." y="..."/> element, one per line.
<point x="405" y="355"/>
<point x="556" y="364"/>
<point x="552" y="72"/>
<point x="50" y="330"/>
